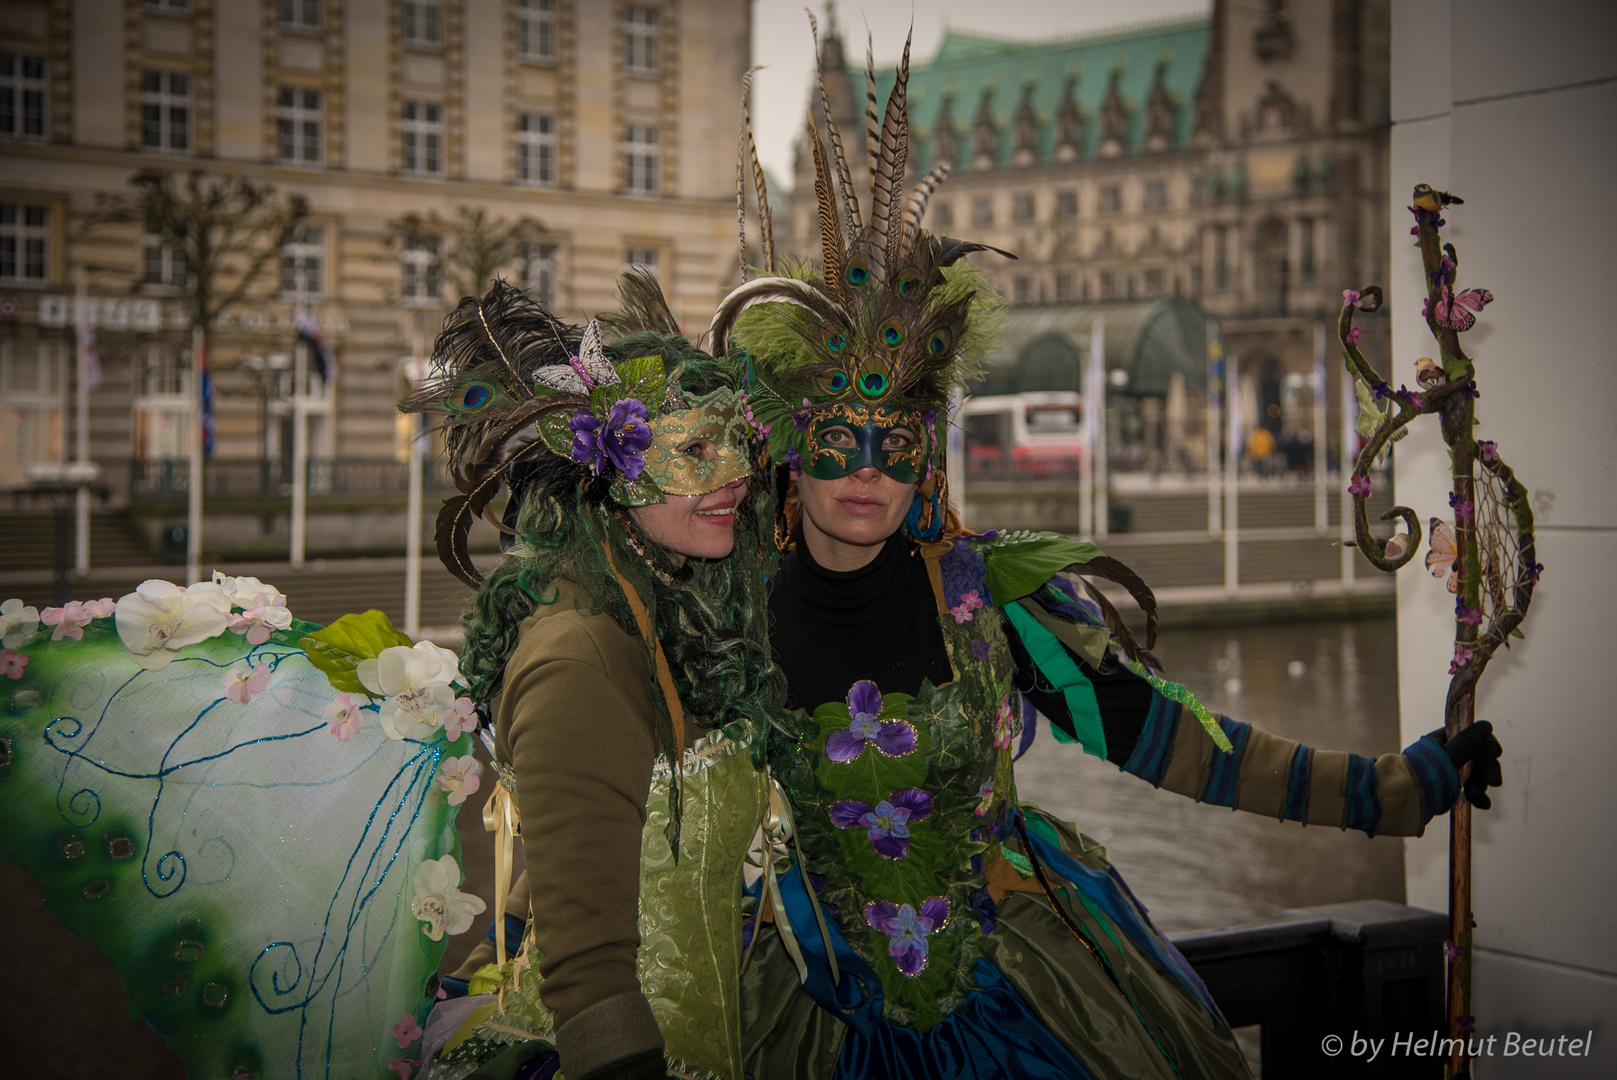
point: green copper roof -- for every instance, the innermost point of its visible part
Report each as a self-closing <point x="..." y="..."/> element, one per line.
<point x="967" y="64"/>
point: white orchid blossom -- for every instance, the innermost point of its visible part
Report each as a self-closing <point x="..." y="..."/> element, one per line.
<point x="414" y="685"/>
<point x="439" y="902"/>
<point x="17" y="623"/>
<point x="263" y="607"/>
<point x="160" y="617"/>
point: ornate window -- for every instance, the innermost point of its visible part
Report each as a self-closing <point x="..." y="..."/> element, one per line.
<point x="421" y="23"/>
<point x="422" y="139"/>
<point x="536" y="30"/>
<point x="300" y="14"/>
<point x="536" y="150"/>
<point x="640" y="159"/>
<point x="299" y="121"/>
<point x="165" y="112"/>
<point x="30" y="406"/>
<point x="421" y="270"/>
<point x="22" y="97"/>
<point x="24" y="243"/>
<point x="303" y="266"/>
<point x="641" y="35"/>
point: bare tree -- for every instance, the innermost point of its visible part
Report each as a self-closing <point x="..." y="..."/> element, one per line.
<point x="224" y="231"/>
<point x="476" y="246"/>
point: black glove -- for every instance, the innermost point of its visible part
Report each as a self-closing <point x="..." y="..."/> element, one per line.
<point x="1476" y="746"/>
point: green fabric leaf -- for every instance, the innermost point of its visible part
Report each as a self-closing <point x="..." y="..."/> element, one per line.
<point x="1055" y="665"/>
<point x="557" y="435"/>
<point x="1020" y="562"/>
<point x="338" y="649"/>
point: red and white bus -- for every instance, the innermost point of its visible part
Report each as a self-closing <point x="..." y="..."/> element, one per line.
<point x="1038" y="435"/>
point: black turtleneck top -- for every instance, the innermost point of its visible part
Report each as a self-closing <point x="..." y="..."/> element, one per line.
<point x="829" y="629"/>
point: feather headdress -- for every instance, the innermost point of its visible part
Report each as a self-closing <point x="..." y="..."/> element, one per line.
<point x="892" y="316"/>
<point x="519" y="395"/>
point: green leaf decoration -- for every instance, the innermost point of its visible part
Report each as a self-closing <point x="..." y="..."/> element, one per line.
<point x="639" y="492"/>
<point x="1019" y="563"/>
<point x="338" y="649"/>
<point x="646" y="378"/>
<point x="557" y="435"/>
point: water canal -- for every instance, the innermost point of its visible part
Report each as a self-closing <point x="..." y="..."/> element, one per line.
<point x="1196" y="867"/>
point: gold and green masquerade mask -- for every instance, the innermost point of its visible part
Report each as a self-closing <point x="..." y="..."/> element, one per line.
<point x="844" y="438"/>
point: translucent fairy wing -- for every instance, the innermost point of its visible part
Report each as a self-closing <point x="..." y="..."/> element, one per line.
<point x="250" y="875"/>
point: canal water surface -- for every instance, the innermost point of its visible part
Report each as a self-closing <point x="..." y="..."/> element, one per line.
<point x="1196" y="867"/>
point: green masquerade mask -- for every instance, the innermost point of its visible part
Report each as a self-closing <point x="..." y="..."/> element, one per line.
<point x="844" y="438"/>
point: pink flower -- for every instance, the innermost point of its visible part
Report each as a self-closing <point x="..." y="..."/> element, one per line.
<point x="969" y="603"/>
<point x="345" y="715"/>
<point x="12" y="663"/>
<point x="71" y="619"/>
<point x="459" y="777"/>
<point x="1351" y="298"/>
<point x="1360" y="486"/>
<point x="406" y="1031"/>
<point x="242" y="685"/>
<point x="1462" y="656"/>
<point x="1396" y="545"/>
<point x="463" y="717"/>
<point x="1353" y="335"/>
<point x="1004" y="723"/>
<point x="403" y="1067"/>
<point x="1488" y="449"/>
<point x="1453" y="952"/>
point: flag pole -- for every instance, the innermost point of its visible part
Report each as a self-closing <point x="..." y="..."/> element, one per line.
<point x="1098" y="476"/>
<point x="193" y="519"/>
<point x="1215" y="387"/>
<point x="1234" y="418"/>
<point x="81" y="422"/>
<point x="300" y="441"/>
<point x="412" y="531"/>
<point x="1322" y="517"/>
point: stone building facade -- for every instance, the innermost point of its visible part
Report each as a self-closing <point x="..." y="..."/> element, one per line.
<point x="1238" y="160"/>
<point x="612" y="124"/>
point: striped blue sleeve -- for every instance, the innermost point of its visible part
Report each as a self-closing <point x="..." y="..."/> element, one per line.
<point x="1363" y="795"/>
<point x="1225" y="769"/>
<point x="1155" y="744"/>
<point x="1439" y="779"/>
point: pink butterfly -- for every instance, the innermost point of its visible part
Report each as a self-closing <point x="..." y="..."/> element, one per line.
<point x="1451" y="308"/>
<point x="1444" y="556"/>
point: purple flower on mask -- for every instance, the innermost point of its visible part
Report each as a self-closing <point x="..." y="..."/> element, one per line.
<point x="908" y="929"/>
<point x="893" y="738"/>
<point x="887" y="824"/>
<point x="619" y="443"/>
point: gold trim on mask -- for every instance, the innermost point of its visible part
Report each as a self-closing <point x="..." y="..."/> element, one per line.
<point x="717" y="417"/>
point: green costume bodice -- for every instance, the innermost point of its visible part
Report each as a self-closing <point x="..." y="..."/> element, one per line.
<point x="898" y="799"/>
<point x="689" y="959"/>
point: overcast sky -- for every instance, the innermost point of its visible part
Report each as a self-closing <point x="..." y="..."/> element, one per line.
<point x="781" y="41"/>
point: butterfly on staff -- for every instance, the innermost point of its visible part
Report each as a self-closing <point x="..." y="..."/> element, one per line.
<point x="1444" y="555"/>
<point x="1454" y="309"/>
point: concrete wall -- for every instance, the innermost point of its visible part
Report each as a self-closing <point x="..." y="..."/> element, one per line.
<point x="1513" y="106"/>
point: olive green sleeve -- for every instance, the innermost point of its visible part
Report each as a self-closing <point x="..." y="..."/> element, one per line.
<point x="576" y="722"/>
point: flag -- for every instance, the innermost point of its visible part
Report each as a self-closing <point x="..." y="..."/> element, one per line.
<point x="89" y="361"/>
<point x="309" y="334"/>
<point x="209" y="429"/>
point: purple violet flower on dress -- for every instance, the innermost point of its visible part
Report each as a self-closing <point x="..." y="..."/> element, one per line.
<point x="979" y="649"/>
<point x="908" y="929"/>
<point x="888" y="822"/>
<point x="894" y="738"/>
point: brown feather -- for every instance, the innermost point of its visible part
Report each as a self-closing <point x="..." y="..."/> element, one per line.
<point x="844" y="177"/>
<point x="872" y="119"/>
<point x="830" y="230"/>
<point x="920" y="195"/>
<point x="889" y="172"/>
<point x="642" y="305"/>
<point x="741" y="176"/>
<point x="765" y="225"/>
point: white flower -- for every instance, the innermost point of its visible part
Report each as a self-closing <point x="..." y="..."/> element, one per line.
<point x="160" y="617"/>
<point x="439" y="902"/>
<point x="247" y="592"/>
<point x="414" y="685"/>
<point x="17" y="623"/>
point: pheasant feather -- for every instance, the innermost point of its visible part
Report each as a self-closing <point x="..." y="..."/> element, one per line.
<point x="844" y="178"/>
